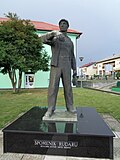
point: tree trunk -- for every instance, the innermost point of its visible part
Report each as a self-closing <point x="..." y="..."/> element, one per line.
<point x="19" y="80"/>
<point x="13" y="78"/>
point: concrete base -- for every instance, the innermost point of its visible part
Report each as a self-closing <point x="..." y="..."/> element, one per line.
<point x="61" y="115"/>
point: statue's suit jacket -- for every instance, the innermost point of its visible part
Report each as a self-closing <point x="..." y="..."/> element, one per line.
<point x="56" y="47"/>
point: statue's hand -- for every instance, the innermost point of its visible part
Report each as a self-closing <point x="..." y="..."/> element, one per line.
<point x="74" y="73"/>
<point x="74" y="79"/>
<point x="55" y="33"/>
<point x="58" y="35"/>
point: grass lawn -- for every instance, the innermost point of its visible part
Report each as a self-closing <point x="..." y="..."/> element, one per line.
<point x="12" y="105"/>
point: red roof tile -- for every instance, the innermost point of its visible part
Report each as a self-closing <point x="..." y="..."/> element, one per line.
<point x="3" y="19"/>
<point x="46" y="26"/>
<point x="88" y="64"/>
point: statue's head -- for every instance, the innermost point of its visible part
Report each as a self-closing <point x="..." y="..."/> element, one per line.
<point x="63" y="25"/>
<point x="64" y="20"/>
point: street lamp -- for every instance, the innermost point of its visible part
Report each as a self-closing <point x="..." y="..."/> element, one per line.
<point x="81" y="59"/>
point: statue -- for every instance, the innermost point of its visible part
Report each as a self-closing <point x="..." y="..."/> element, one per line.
<point x="63" y="60"/>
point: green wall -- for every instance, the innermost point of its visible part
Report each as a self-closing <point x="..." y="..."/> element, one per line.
<point x="5" y="81"/>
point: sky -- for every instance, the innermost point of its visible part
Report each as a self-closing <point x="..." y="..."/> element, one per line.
<point x="98" y="20"/>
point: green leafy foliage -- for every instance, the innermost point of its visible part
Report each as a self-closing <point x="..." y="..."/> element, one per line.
<point x="20" y="48"/>
<point x="118" y="75"/>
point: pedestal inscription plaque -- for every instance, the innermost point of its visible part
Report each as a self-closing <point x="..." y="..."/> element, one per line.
<point x="31" y="134"/>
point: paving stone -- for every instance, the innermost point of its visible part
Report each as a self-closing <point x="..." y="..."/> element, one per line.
<point x="1" y="133"/>
<point x="112" y="122"/>
<point x="118" y="134"/>
<point x="117" y="153"/>
<point x="116" y="143"/>
<point x="11" y="156"/>
<point x="1" y="144"/>
<point x="55" y="158"/>
<point x="83" y="158"/>
<point x="33" y="157"/>
<point x="76" y="158"/>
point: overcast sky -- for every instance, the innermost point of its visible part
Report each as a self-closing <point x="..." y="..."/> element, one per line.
<point x="98" y="20"/>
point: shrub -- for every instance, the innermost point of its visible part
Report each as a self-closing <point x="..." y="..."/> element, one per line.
<point x="118" y="84"/>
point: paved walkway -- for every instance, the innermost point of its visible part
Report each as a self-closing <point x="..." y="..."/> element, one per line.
<point x="107" y="88"/>
<point x="114" y="124"/>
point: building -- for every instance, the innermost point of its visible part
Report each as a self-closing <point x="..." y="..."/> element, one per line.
<point x="40" y="79"/>
<point x="108" y="66"/>
<point x="88" y="70"/>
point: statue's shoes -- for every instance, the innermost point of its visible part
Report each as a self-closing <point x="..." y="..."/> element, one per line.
<point x="48" y="114"/>
<point x="73" y="111"/>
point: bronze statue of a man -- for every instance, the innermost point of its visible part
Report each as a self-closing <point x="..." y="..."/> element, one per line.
<point x="63" y="60"/>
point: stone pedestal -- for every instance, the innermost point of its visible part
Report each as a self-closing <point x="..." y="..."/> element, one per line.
<point x="81" y="135"/>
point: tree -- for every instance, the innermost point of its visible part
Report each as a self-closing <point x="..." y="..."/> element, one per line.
<point x="21" y="50"/>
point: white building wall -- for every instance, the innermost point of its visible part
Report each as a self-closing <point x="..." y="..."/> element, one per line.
<point x="91" y="70"/>
<point x="117" y="64"/>
<point x="99" y="68"/>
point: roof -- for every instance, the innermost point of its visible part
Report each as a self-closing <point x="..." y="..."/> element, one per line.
<point x="114" y="56"/>
<point x="47" y="26"/>
<point x="88" y="64"/>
